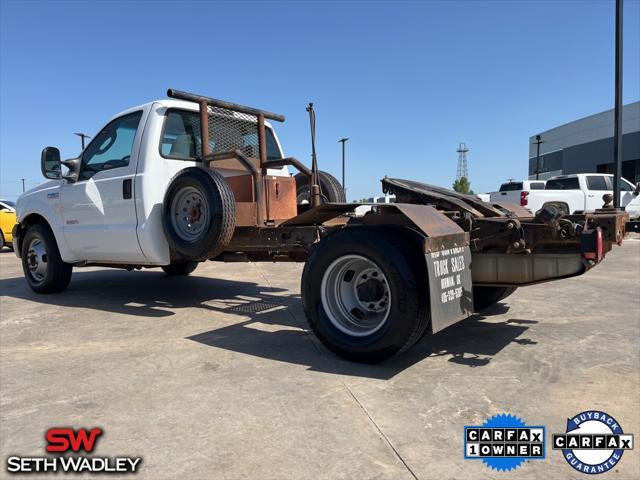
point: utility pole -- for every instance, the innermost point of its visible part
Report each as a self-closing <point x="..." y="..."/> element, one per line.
<point x="343" y="141"/>
<point x="22" y="184"/>
<point x="538" y="142"/>
<point x="82" y="137"/>
<point x="617" y="111"/>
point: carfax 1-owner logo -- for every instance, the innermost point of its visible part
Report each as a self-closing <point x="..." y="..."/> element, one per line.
<point x="65" y="446"/>
<point x="593" y="442"/>
<point x="504" y="442"/>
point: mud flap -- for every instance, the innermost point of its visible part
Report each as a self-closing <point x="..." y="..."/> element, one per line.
<point x="450" y="286"/>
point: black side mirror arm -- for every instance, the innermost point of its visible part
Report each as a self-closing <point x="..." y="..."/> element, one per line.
<point x="73" y="165"/>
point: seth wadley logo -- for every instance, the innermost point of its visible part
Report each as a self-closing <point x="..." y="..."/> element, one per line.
<point x="64" y="440"/>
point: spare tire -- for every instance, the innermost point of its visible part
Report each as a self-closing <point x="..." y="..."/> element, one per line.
<point x="330" y="189"/>
<point x="198" y="214"/>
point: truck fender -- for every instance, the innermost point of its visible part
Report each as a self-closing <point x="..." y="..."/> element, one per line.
<point x="33" y="216"/>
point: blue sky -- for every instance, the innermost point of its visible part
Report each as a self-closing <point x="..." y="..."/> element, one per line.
<point x="405" y="81"/>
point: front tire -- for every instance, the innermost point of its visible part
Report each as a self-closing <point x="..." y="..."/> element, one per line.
<point x="42" y="265"/>
<point x="179" y="269"/>
<point x="364" y="292"/>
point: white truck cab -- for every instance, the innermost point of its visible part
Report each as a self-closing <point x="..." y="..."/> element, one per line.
<point x="109" y="210"/>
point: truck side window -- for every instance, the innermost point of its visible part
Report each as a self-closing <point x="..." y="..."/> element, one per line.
<point x="111" y="148"/>
<point x="625" y="186"/>
<point x="563" y="184"/>
<point x="179" y="135"/>
<point x="597" y="183"/>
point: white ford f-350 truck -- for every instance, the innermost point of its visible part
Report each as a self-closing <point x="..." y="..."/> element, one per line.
<point x="184" y="180"/>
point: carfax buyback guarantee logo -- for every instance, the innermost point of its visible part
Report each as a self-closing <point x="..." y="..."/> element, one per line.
<point x="593" y="442"/>
<point x="504" y="442"/>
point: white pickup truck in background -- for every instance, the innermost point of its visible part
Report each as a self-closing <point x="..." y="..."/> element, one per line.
<point x="581" y="192"/>
<point x="511" y="191"/>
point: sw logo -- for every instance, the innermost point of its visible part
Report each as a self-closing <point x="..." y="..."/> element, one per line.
<point x="65" y="440"/>
<point x="593" y="442"/>
<point x="504" y="442"/>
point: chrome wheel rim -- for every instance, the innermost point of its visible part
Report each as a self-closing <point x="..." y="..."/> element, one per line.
<point x="355" y="295"/>
<point x="189" y="213"/>
<point x="37" y="259"/>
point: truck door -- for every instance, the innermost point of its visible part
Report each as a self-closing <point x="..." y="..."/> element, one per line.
<point x="597" y="186"/>
<point x="98" y="211"/>
<point x="628" y="199"/>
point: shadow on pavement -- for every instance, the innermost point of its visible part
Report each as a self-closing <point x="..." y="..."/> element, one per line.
<point x="472" y="343"/>
<point x="273" y="325"/>
<point x="145" y="293"/>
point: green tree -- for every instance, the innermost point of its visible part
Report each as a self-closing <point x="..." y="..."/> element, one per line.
<point x="462" y="185"/>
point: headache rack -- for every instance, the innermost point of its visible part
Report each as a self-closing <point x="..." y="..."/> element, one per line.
<point x="234" y="132"/>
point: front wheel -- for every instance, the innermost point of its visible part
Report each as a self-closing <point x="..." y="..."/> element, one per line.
<point x="179" y="269"/>
<point x="364" y="292"/>
<point x="42" y="265"/>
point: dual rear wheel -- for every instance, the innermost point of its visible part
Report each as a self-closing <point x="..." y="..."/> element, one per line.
<point x="364" y="292"/>
<point x="366" y="295"/>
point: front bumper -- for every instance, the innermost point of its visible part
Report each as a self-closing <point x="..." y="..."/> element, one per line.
<point x="15" y="241"/>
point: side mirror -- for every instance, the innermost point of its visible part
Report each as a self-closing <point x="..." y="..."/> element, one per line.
<point x="637" y="190"/>
<point x="50" y="164"/>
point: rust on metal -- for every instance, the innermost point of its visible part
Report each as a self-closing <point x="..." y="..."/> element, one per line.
<point x="241" y="184"/>
<point x="514" y="208"/>
<point x="214" y="102"/>
<point x="204" y="128"/>
<point x="250" y="167"/>
<point x="281" y="198"/>
<point x="320" y="214"/>
<point x="262" y="152"/>
<point x="246" y="214"/>
<point x="407" y="191"/>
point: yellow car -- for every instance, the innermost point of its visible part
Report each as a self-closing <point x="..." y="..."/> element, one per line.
<point x="7" y="221"/>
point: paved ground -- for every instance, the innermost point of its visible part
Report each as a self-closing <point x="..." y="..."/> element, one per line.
<point x="215" y="376"/>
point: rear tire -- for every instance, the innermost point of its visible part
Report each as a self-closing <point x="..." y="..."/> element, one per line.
<point x="485" y="297"/>
<point x="179" y="269"/>
<point x="330" y="189"/>
<point x="2" y="243"/>
<point x="42" y="265"/>
<point x="364" y="292"/>
<point x="199" y="214"/>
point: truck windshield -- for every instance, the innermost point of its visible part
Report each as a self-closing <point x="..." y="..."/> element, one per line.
<point x="563" y="184"/>
<point x="181" y="136"/>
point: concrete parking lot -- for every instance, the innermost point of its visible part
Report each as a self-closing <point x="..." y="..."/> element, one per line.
<point x="216" y="375"/>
